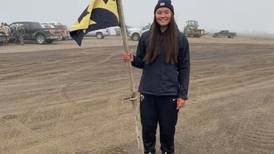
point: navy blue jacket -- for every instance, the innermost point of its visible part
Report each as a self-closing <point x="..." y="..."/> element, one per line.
<point x="160" y="78"/>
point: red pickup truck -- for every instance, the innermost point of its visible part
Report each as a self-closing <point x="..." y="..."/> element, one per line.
<point x="61" y="29"/>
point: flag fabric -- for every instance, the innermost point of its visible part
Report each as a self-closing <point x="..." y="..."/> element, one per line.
<point x="99" y="14"/>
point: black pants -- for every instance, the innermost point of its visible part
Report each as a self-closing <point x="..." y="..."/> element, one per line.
<point x="162" y="110"/>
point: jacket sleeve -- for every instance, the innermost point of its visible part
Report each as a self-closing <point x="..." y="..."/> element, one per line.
<point x="140" y="54"/>
<point x="183" y="68"/>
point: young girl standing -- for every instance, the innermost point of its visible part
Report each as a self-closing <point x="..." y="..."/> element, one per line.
<point x="163" y="54"/>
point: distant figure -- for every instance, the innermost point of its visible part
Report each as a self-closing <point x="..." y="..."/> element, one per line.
<point x="19" y="34"/>
<point x="7" y="31"/>
<point x="4" y="29"/>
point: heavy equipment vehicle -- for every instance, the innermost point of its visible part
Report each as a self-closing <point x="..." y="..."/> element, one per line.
<point x="192" y="29"/>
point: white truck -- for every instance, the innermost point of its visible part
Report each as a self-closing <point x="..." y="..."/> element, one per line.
<point x="135" y="33"/>
<point x="99" y="34"/>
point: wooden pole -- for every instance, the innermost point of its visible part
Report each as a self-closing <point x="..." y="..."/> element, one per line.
<point x="133" y="97"/>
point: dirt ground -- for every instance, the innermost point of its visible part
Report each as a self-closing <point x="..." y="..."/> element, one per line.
<point x="62" y="99"/>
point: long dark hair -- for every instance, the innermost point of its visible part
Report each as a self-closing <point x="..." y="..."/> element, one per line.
<point x="169" y="42"/>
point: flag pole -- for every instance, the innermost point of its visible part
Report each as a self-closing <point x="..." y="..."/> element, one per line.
<point x="133" y="97"/>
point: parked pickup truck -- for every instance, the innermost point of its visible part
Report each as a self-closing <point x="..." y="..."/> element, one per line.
<point x="34" y="31"/>
<point x="225" y="33"/>
<point x="60" y="29"/>
<point x="136" y="33"/>
<point x="99" y="34"/>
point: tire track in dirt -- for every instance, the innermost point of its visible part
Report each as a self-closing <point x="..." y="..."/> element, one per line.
<point x="241" y="75"/>
<point x="64" y="89"/>
<point x="92" y="120"/>
<point x="243" y="79"/>
<point x="43" y="116"/>
<point x="223" y="93"/>
<point x="258" y="135"/>
<point x="45" y="60"/>
<point x="40" y="68"/>
<point x="75" y="133"/>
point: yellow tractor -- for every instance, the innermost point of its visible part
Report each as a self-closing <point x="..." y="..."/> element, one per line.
<point x="192" y="30"/>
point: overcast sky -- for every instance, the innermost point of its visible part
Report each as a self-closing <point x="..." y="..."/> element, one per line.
<point x="235" y="15"/>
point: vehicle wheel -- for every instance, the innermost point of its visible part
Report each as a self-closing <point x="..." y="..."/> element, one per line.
<point x="49" y="41"/>
<point x="135" y="37"/>
<point x="99" y="36"/>
<point x="40" y="39"/>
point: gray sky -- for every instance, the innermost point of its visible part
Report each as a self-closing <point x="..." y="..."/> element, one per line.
<point x="235" y="15"/>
